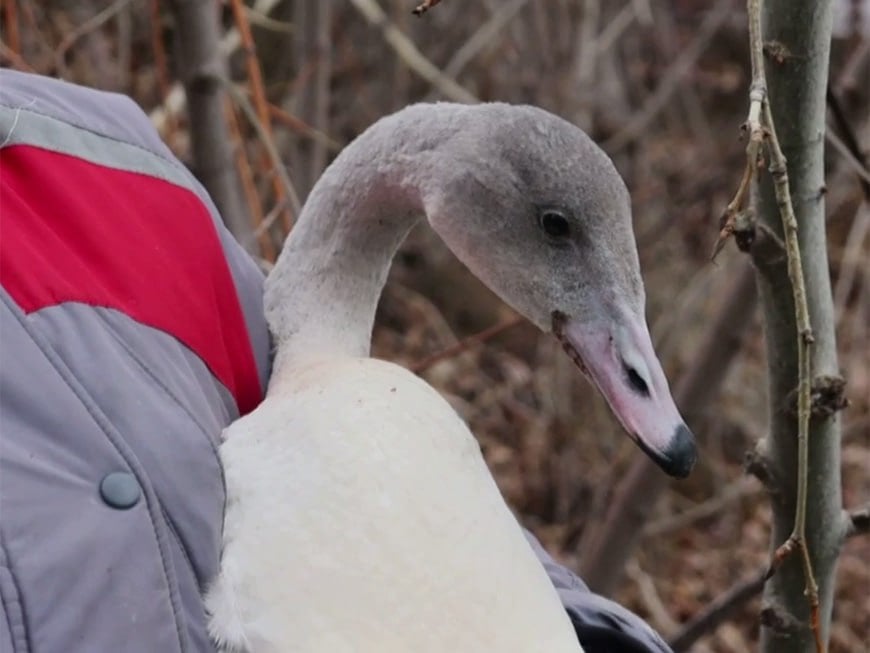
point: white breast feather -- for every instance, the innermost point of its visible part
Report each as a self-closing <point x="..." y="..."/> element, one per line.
<point x="362" y="517"/>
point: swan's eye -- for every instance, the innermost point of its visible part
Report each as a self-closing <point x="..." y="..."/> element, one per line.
<point x="554" y="223"/>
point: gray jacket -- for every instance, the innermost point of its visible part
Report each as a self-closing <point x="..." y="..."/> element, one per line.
<point x="131" y="334"/>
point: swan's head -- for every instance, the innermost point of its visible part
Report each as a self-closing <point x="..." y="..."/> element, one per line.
<point x="539" y="213"/>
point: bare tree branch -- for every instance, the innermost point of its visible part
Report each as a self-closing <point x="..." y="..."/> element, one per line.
<point x="669" y="84"/>
<point x="409" y="53"/>
<point x="311" y="102"/>
<point x="289" y="195"/>
<point x="203" y="72"/>
<point x="174" y="101"/>
<point x="718" y="611"/>
<point x="425" y="6"/>
<point x="258" y="93"/>
<point x="89" y="26"/>
<point x="723" y="607"/>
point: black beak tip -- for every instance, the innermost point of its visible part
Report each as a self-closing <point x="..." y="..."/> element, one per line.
<point x="681" y="454"/>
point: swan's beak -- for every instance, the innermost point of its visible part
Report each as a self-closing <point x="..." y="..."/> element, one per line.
<point x="618" y="357"/>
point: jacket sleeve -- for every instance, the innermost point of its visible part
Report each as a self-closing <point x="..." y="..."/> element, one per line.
<point x="602" y="625"/>
<point x="132" y="334"/>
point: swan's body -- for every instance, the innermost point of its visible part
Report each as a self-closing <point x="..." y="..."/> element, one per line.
<point x="360" y="513"/>
<point x="352" y="564"/>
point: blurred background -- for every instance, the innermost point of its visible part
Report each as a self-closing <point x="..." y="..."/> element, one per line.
<point x="662" y="86"/>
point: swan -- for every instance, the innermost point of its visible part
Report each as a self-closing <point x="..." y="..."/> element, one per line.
<point x="360" y="513"/>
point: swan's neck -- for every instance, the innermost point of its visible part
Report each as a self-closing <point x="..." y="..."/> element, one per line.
<point x="321" y="297"/>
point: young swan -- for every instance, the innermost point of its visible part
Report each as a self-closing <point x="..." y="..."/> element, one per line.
<point x="360" y="513"/>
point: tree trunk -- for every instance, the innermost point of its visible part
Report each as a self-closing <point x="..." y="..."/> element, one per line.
<point x="203" y="70"/>
<point x="797" y="36"/>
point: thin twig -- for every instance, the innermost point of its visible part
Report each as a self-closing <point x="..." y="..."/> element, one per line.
<point x="465" y="344"/>
<point x="720" y="609"/>
<point x="10" y="15"/>
<point x="260" y="19"/>
<point x="483" y="36"/>
<point x="175" y="100"/>
<point x="650" y="597"/>
<point x="255" y="206"/>
<point x="93" y="23"/>
<point x="270" y="219"/>
<point x="424" y="6"/>
<point x="161" y="68"/>
<point x="742" y="487"/>
<point x="670" y="83"/>
<point x="851" y="72"/>
<point x="409" y="53"/>
<point x="14" y="59"/>
<point x="124" y="47"/>
<point x="615" y="28"/>
<point x="43" y="50"/>
<point x="258" y="92"/>
<point x="643" y="11"/>
<point x="717" y="611"/>
<point x="266" y="139"/>
<point x="852" y="260"/>
<point x="587" y="55"/>
<point x="856" y="164"/>
<point x="311" y="96"/>
<point x="848" y="146"/>
<point x="302" y="128"/>
<point x="756" y="132"/>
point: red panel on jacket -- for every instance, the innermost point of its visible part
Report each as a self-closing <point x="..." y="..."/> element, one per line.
<point x="75" y="231"/>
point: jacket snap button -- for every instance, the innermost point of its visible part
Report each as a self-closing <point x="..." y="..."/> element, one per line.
<point x="120" y="490"/>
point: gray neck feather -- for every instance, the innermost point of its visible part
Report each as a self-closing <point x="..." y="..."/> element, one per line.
<point x="321" y="297"/>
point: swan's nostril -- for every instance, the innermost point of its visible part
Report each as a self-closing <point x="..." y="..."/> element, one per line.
<point x="636" y="372"/>
<point x="636" y="381"/>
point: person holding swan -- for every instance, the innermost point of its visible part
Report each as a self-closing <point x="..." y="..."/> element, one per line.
<point x="150" y="500"/>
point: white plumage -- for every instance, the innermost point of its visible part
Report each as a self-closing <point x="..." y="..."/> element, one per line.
<point x="339" y="560"/>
